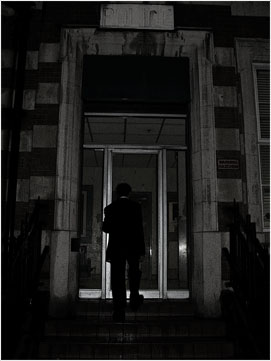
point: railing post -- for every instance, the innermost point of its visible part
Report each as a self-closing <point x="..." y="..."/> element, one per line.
<point x="232" y="250"/>
<point x="233" y="240"/>
<point x="253" y="261"/>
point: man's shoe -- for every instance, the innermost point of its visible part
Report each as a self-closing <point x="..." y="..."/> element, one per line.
<point x="136" y="302"/>
<point x="119" y="316"/>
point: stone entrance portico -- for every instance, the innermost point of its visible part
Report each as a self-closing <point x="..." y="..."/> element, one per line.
<point x="205" y="254"/>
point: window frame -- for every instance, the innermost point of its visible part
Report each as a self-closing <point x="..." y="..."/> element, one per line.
<point x="260" y="141"/>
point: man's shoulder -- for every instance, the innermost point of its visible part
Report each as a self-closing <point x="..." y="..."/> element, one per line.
<point x="115" y="204"/>
<point x="109" y="207"/>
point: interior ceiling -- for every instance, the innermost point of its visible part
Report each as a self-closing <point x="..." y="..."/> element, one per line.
<point x="134" y="131"/>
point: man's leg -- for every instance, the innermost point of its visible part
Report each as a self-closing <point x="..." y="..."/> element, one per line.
<point x="118" y="288"/>
<point x="134" y="282"/>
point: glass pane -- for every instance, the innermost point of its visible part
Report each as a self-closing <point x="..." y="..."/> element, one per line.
<point x="176" y="232"/>
<point x="263" y="83"/>
<point x="140" y="171"/>
<point x="134" y="130"/>
<point x="265" y="163"/>
<point x="91" y="220"/>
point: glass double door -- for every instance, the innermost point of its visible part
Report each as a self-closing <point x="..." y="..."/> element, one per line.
<point x="158" y="180"/>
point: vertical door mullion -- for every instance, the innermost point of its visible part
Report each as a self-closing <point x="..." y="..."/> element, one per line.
<point x="109" y="200"/>
<point x="164" y="212"/>
<point x="160" y="225"/>
<point x="104" y="235"/>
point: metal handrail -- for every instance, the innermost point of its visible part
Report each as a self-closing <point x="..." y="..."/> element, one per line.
<point x="251" y="260"/>
<point x="249" y="278"/>
<point x="22" y="274"/>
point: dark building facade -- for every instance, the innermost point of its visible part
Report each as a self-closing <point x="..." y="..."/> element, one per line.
<point x="171" y="97"/>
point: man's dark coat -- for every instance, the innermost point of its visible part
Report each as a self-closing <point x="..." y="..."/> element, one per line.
<point x="123" y="222"/>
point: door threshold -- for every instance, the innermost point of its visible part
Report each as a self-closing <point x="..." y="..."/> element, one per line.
<point x="148" y="294"/>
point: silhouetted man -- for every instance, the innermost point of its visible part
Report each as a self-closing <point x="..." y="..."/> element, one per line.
<point x="123" y="222"/>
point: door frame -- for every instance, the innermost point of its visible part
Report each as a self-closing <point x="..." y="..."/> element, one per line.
<point x="160" y="151"/>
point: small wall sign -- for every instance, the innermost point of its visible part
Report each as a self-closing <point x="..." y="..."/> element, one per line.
<point x="137" y="16"/>
<point x="232" y="164"/>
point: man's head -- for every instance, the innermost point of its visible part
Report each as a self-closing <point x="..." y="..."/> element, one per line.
<point x="123" y="189"/>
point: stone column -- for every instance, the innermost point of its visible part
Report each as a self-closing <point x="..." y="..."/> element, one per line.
<point x="64" y="263"/>
<point x="206" y="242"/>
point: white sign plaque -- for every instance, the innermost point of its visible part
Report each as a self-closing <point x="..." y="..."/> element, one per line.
<point x="137" y="16"/>
<point x="228" y="164"/>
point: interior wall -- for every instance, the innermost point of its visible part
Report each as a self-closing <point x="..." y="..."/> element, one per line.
<point x="93" y="176"/>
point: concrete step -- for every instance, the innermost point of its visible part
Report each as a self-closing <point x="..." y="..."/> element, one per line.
<point x="195" y="349"/>
<point x="151" y="309"/>
<point x="159" y="330"/>
<point x="106" y="330"/>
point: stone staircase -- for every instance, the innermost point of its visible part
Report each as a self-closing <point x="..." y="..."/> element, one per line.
<point x="159" y="330"/>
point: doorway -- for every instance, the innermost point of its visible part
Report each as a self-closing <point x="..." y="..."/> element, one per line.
<point x="157" y="175"/>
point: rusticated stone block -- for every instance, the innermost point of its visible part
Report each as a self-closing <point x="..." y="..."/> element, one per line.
<point x="49" y="72"/>
<point x="32" y="60"/>
<point x="43" y="162"/>
<point x="7" y="78"/>
<point x="31" y="79"/>
<point x="24" y="163"/>
<point x="6" y="94"/>
<point x="225" y="216"/>
<point x="44" y="114"/>
<point x="224" y="56"/>
<point x="229" y="189"/>
<point x="29" y="99"/>
<point x="226" y="117"/>
<point x="26" y="141"/>
<point x="224" y="76"/>
<point x="227" y="139"/>
<point x="48" y="93"/>
<point x="44" y="136"/>
<point x="43" y="187"/>
<point x="7" y="57"/>
<point x="22" y="191"/>
<point x="49" y="53"/>
<point x="20" y="212"/>
<point x="225" y="96"/>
